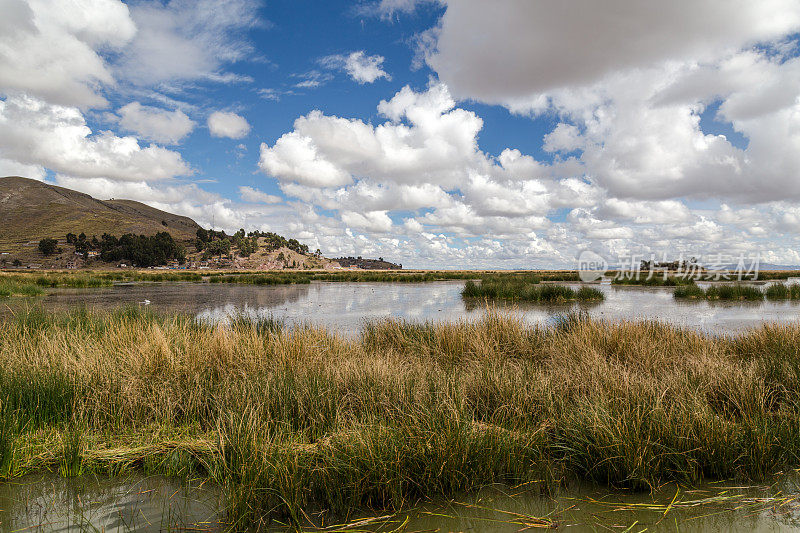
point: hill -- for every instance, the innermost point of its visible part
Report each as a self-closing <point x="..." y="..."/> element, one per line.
<point x="32" y="210"/>
<point x="367" y="264"/>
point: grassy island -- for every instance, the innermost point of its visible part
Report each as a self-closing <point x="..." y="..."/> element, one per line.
<point x="654" y="281"/>
<point x="527" y="288"/>
<point x="782" y="291"/>
<point x="291" y="420"/>
<point x="778" y="291"/>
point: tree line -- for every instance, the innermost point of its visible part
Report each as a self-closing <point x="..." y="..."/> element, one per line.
<point x="139" y="250"/>
<point x="217" y="243"/>
<point x="161" y="248"/>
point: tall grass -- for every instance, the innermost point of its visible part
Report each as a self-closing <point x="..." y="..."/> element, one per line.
<point x="772" y="275"/>
<point x="58" y="279"/>
<point x="720" y="292"/>
<point x="262" y="279"/>
<point x="10" y="287"/>
<point x="689" y="291"/>
<point x="292" y="419"/>
<point x="782" y="291"/>
<point x="527" y="289"/>
<point x="654" y="281"/>
<point x="287" y="277"/>
<point x="104" y="278"/>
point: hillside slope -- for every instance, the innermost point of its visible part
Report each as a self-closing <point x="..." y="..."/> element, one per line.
<point x="32" y="210"/>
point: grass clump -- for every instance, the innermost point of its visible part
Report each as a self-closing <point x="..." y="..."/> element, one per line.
<point x="13" y="287"/>
<point x="782" y="291"/>
<point x="527" y="289"/>
<point x="295" y="419"/>
<point x="720" y="292"/>
<point x="104" y="278"/>
<point x="654" y="281"/>
<point x="734" y="292"/>
<point x="689" y="291"/>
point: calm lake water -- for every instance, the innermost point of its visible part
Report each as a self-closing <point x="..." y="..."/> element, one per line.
<point x="346" y="306"/>
<point x="88" y="503"/>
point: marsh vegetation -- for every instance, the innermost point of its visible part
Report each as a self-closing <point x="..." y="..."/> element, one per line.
<point x="526" y="288"/>
<point x="782" y="291"/>
<point x="653" y="281"/>
<point x="14" y="280"/>
<point x="295" y="419"/>
<point x="778" y="291"/>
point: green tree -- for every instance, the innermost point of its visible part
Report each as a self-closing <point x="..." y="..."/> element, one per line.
<point x="48" y="246"/>
<point x="219" y="247"/>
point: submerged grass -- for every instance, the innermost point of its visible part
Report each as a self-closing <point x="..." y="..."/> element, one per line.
<point x="291" y="420"/>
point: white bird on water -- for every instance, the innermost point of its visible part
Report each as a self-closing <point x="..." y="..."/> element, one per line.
<point x="146" y="302"/>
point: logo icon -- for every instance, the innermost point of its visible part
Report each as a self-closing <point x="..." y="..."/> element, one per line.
<point x="591" y="266"/>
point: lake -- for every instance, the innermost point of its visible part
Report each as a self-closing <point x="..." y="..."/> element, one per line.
<point x="345" y="307"/>
<point x="48" y="502"/>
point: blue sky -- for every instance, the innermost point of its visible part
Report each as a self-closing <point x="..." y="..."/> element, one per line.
<point x="435" y="133"/>
<point x="291" y="47"/>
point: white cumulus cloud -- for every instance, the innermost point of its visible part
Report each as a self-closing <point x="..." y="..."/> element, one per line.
<point x="33" y="132"/>
<point x="251" y="194"/>
<point x="361" y="67"/>
<point x="50" y="49"/>
<point x="155" y="124"/>
<point x="227" y="124"/>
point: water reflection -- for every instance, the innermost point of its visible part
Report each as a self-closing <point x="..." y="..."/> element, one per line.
<point x="705" y="509"/>
<point x="346" y="306"/>
<point x="138" y="503"/>
<point x="89" y="503"/>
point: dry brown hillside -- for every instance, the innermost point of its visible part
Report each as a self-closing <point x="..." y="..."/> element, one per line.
<point x="31" y="210"/>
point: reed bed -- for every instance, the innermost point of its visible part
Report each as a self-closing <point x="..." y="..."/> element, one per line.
<point x="103" y="278"/>
<point x="782" y="291"/>
<point x="261" y="279"/>
<point x="287" y="277"/>
<point x="292" y="420"/>
<point x="12" y="287"/>
<point x="58" y="279"/>
<point x="772" y="275"/>
<point x="527" y="289"/>
<point x="654" y="281"/>
<point x="737" y="292"/>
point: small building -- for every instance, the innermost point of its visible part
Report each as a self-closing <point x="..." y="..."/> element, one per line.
<point x="92" y="253"/>
<point x="72" y="264"/>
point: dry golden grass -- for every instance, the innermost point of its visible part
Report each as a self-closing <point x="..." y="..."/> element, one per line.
<point x="291" y="419"/>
